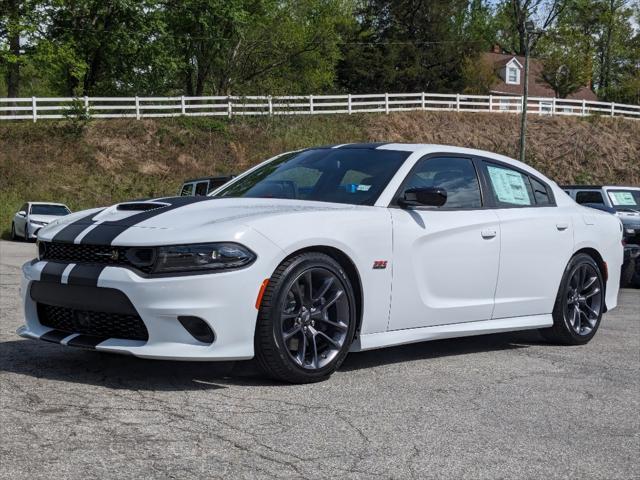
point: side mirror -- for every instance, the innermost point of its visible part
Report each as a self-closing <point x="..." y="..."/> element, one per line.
<point x="424" y="197"/>
<point x="22" y="213"/>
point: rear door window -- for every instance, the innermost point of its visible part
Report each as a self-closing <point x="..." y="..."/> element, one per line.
<point x="510" y="187"/>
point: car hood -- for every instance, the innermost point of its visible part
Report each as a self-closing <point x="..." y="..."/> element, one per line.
<point x="176" y="219"/>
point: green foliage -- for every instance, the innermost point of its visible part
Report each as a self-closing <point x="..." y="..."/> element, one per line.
<point x="256" y="47"/>
<point x="478" y="76"/>
<point x="566" y="60"/>
<point x="77" y="117"/>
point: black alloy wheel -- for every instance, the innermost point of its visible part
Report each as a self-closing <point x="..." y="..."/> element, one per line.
<point x="579" y="305"/>
<point x="307" y="319"/>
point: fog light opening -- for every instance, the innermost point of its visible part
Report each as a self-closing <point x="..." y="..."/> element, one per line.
<point x="198" y="328"/>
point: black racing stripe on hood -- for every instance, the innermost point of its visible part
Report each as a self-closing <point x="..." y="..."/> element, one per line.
<point x="85" y="274"/>
<point x="107" y="231"/>
<point x="69" y="233"/>
<point x="52" y="272"/>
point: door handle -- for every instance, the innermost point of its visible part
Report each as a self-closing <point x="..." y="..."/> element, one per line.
<point x="562" y="226"/>
<point x="489" y="233"/>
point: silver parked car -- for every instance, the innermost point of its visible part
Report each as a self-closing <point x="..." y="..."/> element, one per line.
<point x="32" y="216"/>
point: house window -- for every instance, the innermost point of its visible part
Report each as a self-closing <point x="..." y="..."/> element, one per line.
<point x="513" y="75"/>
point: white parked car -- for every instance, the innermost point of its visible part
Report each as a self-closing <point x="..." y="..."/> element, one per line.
<point x="32" y="216"/>
<point x="323" y="251"/>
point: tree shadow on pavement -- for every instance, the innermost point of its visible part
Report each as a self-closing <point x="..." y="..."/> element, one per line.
<point x="53" y="362"/>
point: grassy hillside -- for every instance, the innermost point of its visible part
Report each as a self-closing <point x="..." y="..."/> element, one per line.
<point x="115" y="160"/>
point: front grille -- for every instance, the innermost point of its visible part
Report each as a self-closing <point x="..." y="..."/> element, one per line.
<point x="99" y="324"/>
<point x="140" y="258"/>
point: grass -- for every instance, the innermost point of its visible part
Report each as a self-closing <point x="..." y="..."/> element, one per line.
<point x="114" y="160"/>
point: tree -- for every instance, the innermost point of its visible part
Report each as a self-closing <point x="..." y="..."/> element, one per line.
<point x="411" y="45"/>
<point x="18" y="20"/>
<point x="566" y="62"/>
<point x="512" y="16"/>
<point x="479" y="76"/>
<point x="115" y="47"/>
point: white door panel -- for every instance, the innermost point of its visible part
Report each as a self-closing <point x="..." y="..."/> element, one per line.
<point x="445" y="266"/>
<point x="536" y="245"/>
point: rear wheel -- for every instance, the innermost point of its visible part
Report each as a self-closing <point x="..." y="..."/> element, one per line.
<point x="307" y="319"/>
<point x="14" y="237"/>
<point x="580" y="303"/>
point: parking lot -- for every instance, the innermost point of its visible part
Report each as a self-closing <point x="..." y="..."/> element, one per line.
<point x="499" y="406"/>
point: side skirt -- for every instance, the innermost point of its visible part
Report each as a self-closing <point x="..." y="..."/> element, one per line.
<point x="412" y="335"/>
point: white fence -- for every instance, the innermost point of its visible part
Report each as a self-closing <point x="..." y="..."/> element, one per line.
<point x="148" y="107"/>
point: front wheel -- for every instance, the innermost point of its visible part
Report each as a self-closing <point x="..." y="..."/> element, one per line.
<point x="579" y="305"/>
<point x="14" y="237"/>
<point x="307" y="319"/>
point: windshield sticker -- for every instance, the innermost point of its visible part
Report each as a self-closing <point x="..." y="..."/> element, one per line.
<point x="509" y="186"/>
<point x="622" y="198"/>
<point x="364" y="188"/>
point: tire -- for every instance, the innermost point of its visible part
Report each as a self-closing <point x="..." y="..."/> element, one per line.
<point x="628" y="272"/>
<point x="293" y="318"/>
<point x="13" y="237"/>
<point x="579" y="305"/>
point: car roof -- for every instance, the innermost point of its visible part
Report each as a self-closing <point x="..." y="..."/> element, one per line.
<point x="47" y="203"/>
<point x="202" y="179"/>
<point x="597" y="187"/>
<point x="427" y="148"/>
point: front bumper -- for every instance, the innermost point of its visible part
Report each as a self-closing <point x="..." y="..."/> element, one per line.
<point x="224" y="300"/>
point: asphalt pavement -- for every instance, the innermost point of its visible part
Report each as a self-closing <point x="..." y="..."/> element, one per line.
<point x="497" y="406"/>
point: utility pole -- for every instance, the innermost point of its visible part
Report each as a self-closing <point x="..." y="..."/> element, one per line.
<point x="529" y="27"/>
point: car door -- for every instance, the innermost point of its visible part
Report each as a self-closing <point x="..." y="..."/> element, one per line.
<point x="20" y="221"/>
<point x="445" y="260"/>
<point x="536" y="241"/>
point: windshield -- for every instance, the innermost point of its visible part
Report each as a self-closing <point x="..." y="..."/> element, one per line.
<point x="350" y="175"/>
<point x="624" y="199"/>
<point x="49" y="210"/>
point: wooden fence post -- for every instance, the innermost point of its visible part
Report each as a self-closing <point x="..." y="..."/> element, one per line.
<point x="311" y="104"/>
<point x="423" y="101"/>
<point x="613" y="109"/>
<point x="386" y="103"/>
<point x="229" y="107"/>
<point x="183" y="107"/>
<point x="86" y="105"/>
<point x="137" y="108"/>
<point x="270" y="105"/>
<point x="349" y="104"/>
<point x="34" y="109"/>
<point x="491" y="103"/>
<point x="457" y="102"/>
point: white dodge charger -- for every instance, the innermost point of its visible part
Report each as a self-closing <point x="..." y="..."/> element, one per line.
<point x="327" y="250"/>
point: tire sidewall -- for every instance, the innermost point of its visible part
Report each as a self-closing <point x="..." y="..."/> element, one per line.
<point x="290" y="274"/>
<point x="13" y="232"/>
<point x="559" y="315"/>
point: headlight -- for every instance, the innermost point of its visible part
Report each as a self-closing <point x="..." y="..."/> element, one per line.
<point x="36" y="222"/>
<point x="202" y="257"/>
